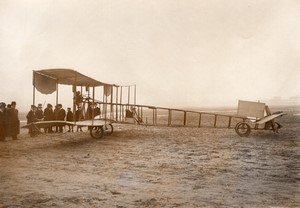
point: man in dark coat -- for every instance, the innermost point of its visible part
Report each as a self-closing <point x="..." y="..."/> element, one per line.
<point x="2" y="121"/>
<point x="61" y="114"/>
<point x="39" y="112"/>
<point x="31" y="117"/>
<point x="55" y="116"/>
<point x="70" y="117"/>
<point x="12" y="121"/>
<point x="79" y="117"/>
<point x="48" y="116"/>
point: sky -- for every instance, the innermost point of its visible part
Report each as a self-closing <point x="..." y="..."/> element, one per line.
<point x="179" y="53"/>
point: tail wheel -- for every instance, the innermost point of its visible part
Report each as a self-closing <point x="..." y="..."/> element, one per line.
<point x="108" y="129"/>
<point x="273" y="126"/>
<point x="243" y="129"/>
<point x="96" y="132"/>
<point x="277" y="127"/>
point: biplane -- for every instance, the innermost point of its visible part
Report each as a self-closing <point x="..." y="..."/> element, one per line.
<point x="117" y="104"/>
<point x="47" y="81"/>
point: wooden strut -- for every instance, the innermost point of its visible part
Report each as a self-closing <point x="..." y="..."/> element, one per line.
<point x="93" y="101"/>
<point x="33" y="78"/>
<point x="117" y="95"/>
<point x="121" y="105"/>
<point x="153" y="119"/>
<point x="74" y="99"/>
<point x="128" y="95"/>
<point x="111" y="101"/>
<point x="199" y="125"/>
<point x="170" y="117"/>
<point x="135" y="94"/>
<point x="215" y="123"/>
<point x="229" y="122"/>
<point x="56" y="92"/>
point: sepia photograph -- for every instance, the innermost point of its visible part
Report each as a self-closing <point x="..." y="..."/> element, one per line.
<point x="158" y="103"/>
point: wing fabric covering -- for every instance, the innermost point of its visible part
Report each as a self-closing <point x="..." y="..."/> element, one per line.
<point x="45" y="80"/>
<point x="44" y="84"/>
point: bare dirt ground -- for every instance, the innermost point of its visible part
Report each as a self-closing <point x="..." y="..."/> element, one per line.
<point x="142" y="166"/>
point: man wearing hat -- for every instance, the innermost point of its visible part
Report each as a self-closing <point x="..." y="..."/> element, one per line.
<point x="31" y="117"/>
<point x="48" y="116"/>
<point x="2" y="121"/>
<point x="12" y="121"/>
<point x="39" y="112"/>
<point x="79" y="116"/>
<point x="61" y="115"/>
<point x="70" y="118"/>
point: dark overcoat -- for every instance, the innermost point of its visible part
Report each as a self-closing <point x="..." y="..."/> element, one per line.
<point x="12" y="122"/>
<point x="48" y="114"/>
<point x="2" y="125"/>
<point x="31" y="117"/>
<point x="61" y="115"/>
<point x="70" y="116"/>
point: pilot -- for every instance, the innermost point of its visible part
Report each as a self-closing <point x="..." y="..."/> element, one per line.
<point x="78" y="98"/>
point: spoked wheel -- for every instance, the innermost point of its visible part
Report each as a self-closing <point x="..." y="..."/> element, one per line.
<point x="96" y="132"/>
<point x="108" y="129"/>
<point x="243" y="129"/>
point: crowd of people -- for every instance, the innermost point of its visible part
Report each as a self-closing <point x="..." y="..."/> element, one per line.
<point x="49" y="114"/>
<point x="10" y="123"/>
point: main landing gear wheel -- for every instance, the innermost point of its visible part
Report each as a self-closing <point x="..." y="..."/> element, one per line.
<point x="108" y="129"/>
<point x="96" y="132"/>
<point x="243" y="129"/>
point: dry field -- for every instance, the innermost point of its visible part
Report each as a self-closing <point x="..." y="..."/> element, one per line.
<point x="141" y="166"/>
